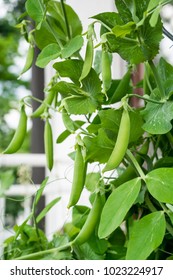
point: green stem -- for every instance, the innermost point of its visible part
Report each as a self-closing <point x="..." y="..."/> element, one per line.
<point x="157" y="79"/>
<point x="66" y="19"/>
<point x="149" y="203"/>
<point x="136" y="164"/>
<point x="41" y="253"/>
<point x="145" y="98"/>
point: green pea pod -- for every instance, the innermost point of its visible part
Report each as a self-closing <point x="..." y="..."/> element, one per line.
<point x="79" y="175"/>
<point x="48" y="144"/>
<point x="130" y="172"/>
<point x="91" y="221"/>
<point x="121" y="144"/>
<point x="88" y="59"/>
<point x="106" y="71"/>
<point x="122" y="87"/>
<point x="29" y="59"/>
<point x="19" y="135"/>
<point x="47" y="101"/>
<point x="69" y="124"/>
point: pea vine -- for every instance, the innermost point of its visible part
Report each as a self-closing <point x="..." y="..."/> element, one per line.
<point x="131" y="194"/>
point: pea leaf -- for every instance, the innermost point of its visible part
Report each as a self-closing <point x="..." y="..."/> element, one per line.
<point x="75" y="26"/>
<point x="92" y="181"/>
<point x="72" y="46"/>
<point x="150" y="231"/>
<point x="35" y="10"/>
<point x="158" y="117"/>
<point x="49" y="53"/>
<point x="46" y="209"/>
<point x="98" y="148"/>
<point x="129" y="47"/>
<point x="109" y="18"/>
<point x="160" y="184"/>
<point x="123" y="30"/>
<point x="117" y="206"/>
<point x="70" y="68"/>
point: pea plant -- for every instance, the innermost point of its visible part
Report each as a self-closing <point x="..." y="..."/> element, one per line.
<point x="130" y="148"/>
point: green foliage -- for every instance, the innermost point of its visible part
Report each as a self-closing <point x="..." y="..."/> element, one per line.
<point x="133" y="204"/>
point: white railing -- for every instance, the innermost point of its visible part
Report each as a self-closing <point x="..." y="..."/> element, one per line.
<point x="56" y="217"/>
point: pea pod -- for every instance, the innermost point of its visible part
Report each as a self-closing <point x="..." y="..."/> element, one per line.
<point x="121" y="144"/>
<point x="79" y="175"/>
<point x="29" y="59"/>
<point x="47" y="101"/>
<point x="106" y="71"/>
<point x="91" y="221"/>
<point x="48" y="144"/>
<point x="88" y="59"/>
<point x="130" y="172"/>
<point x="19" y="135"/>
<point x="122" y="87"/>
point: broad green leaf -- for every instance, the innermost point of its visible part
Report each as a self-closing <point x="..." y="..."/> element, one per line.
<point x="79" y="215"/>
<point x="35" y="10"/>
<point x="117" y="205"/>
<point x="46" y="209"/>
<point x="154" y="4"/>
<point x="160" y="184"/>
<point x="154" y="17"/>
<point x="158" y="117"/>
<point x="165" y="70"/>
<point x="92" y="181"/>
<point x="75" y="26"/>
<point x="74" y="45"/>
<point x="110" y="19"/>
<point x="80" y="105"/>
<point x="130" y="49"/>
<point x="71" y="68"/>
<point x="77" y="124"/>
<point x="98" y="148"/>
<point x="123" y="30"/>
<point x="146" y="235"/>
<point x="45" y="36"/>
<point x="49" y="53"/>
<point x="123" y="10"/>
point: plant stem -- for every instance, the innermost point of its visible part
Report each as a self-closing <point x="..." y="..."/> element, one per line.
<point x="66" y="19"/>
<point x="157" y="79"/>
<point x="145" y="98"/>
<point x="41" y="253"/>
<point x="136" y="164"/>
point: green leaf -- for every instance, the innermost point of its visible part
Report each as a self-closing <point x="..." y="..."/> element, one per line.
<point x="98" y="148"/>
<point x="160" y="184"/>
<point x="74" y="45"/>
<point x="46" y="209"/>
<point x="35" y="10"/>
<point x="145" y="236"/>
<point x="75" y="26"/>
<point x="123" y="10"/>
<point x="79" y="215"/>
<point x="154" y="17"/>
<point x="132" y="49"/>
<point x="92" y="181"/>
<point x="40" y="191"/>
<point x="49" y="53"/>
<point x="117" y="206"/>
<point x="109" y="18"/>
<point x="70" y="68"/>
<point x="158" y="117"/>
<point x="123" y="30"/>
